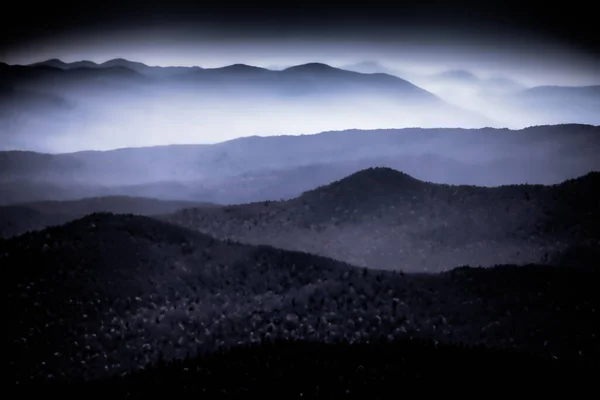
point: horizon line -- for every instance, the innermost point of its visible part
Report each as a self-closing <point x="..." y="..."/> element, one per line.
<point x="297" y="135"/>
<point x="159" y="66"/>
<point x="279" y="69"/>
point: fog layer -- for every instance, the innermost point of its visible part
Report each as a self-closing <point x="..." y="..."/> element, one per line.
<point x="57" y="107"/>
<point x="55" y="110"/>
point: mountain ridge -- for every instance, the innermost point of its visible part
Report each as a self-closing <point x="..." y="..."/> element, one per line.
<point x="381" y="218"/>
<point x="310" y="68"/>
<point x="108" y="294"/>
<point x="274" y="167"/>
<point x="322" y="133"/>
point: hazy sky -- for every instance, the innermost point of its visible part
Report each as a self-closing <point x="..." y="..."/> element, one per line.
<point x="552" y="45"/>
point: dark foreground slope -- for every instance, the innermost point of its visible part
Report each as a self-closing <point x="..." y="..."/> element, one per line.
<point x="381" y="369"/>
<point x="383" y="218"/>
<point x="108" y="294"/>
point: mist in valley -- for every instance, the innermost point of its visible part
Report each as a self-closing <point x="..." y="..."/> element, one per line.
<point x="340" y="200"/>
<point x="124" y="110"/>
<point x="59" y="107"/>
<point x="264" y="123"/>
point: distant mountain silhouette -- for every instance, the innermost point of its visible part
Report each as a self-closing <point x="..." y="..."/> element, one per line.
<point x="383" y="218"/>
<point x="108" y="294"/>
<point x="323" y="73"/>
<point x="312" y="68"/>
<point x="378" y="98"/>
<point x="117" y="62"/>
<point x="56" y="63"/>
<point x="360" y="246"/>
<point x="82" y="64"/>
<point x="108" y="72"/>
<point x="235" y="77"/>
<point x="238" y="68"/>
<point x="335" y="99"/>
<point x="331" y="75"/>
<point x="269" y="168"/>
<point x="52" y="80"/>
<point x="121" y="62"/>
<point x="312" y="79"/>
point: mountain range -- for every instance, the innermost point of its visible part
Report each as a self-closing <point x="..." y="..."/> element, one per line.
<point x="448" y="79"/>
<point x="378" y="256"/>
<point x="271" y="168"/>
<point x="380" y="218"/>
<point x="384" y="219"/>
<point x="52" y="105"/>
<point x="502" y="98"/>
<point x="101" y="103"/>
<point x="134" y="259"/>
<point x="108" y="294"/>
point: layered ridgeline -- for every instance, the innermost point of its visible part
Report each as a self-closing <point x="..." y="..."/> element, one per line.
<point x="123" y="105"/>
<point x="108" y="293"/>
<point x="257" y="168"/>
<point x="513" y="103"/>
<point x="62" y="99"/>
<point x="383" y="218"/>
